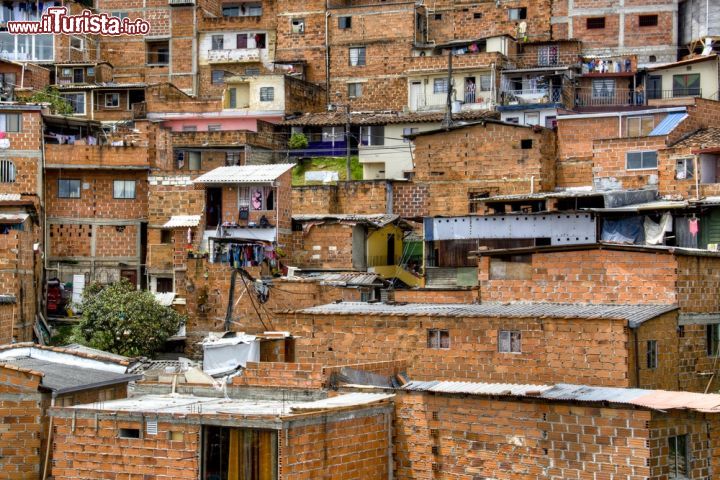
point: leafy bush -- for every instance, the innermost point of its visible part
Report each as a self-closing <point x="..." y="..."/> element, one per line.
<point x="52" y="96"/>
<point x="298" y="141"/>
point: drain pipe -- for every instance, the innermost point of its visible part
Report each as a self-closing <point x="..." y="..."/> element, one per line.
<point x="327" y="55"/>
<point x="697" y="178"/>
<point x="532" y="184"/>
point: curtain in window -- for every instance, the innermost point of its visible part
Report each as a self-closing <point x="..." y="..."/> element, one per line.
<point x="252" y="455"/>
<point x="354" y="56"/>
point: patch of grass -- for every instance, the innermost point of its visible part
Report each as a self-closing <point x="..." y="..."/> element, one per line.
<point x="326" y="164"/>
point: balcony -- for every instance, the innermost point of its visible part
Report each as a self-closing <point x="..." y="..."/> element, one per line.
<point x="546" y="59"/>
<point x="677" y="96"/>
<point x="435" y="63"/>
<point x="243" y="55"/>
<point x="532" y="96"/>
<point x="181" y="3"/>
<point x="613" y="97"/>
<point x="433" y="102"/>
<point x="97" y="157"/>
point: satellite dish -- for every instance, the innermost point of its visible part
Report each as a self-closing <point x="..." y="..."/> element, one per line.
<point x="522" y="28"/>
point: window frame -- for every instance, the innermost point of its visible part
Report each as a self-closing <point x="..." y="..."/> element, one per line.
<point x="9" y="127"/>
<point x="712" y="339"/>
<point x="509" y="341"/>
<point x="650" y="20"/>
<point x="124" y="190"/>
<point x="213" y="42"/>
<point x="435" y="337"/>
<point x="372" y="135"/>
<point x="159" y="54"/>
<point x="409" y="131"/>
<point x="266" y="94"/>
<point x="345" y="22"/>
<point x="213" y="79"/>
<point x="299" y="28"/>
<point x="111" y="95"/>
<point x="686" y="165"/>
<point x="440" y="81"/>
<point x="651" y="354"/>
<point x="8" y="171"/>
<point x="354" y="89"/>
<point x="361" y="60"/>
<point x="684" y="455"/>
<point x="60" y="189"/>
<point x="79" y="40"/>
<point x="519" y="13"/>
<point x="686" y="90"/>
<point x="76" y="94"/>
<point x="641" y="119"/>
<point x="595" y="23"/>
<point x="642" y="160"/>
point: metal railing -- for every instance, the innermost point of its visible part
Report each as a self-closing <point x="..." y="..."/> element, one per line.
<point x="674" y="93"/>
<point x="234" y="55"/>
<point x="593" y="97"/>
<point x="532" y="96"/>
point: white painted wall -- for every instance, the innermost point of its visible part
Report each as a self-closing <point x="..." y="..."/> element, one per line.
<point x="394" y="158"/>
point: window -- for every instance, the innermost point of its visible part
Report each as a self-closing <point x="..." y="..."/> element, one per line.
<point x="232" y="158"/>
<point x="239" y="453"/>
<point x="158" y="53"/>
<point x="640" y="126"/>
<point x="257" y="198"/>
<point x="166" y="236"/>
<point x="648" y="20"/>
<point x="252" y="71"/>
<point x="217" y="42"/>
<point x="124" y="189"/>
<point x="357" y="56"/>
<point x="214" y="127"/>
<point x="517" y="13"/>
<point x="640" y="160"/>
<point x="76" y="101"/>
<point x="189" y="128"/>
<point x="267" y="94"/>
<point x="595" y="23"/>
<point x="678" y="460"/>
<point x="526" y="143"/>
<point x="10" y="122"/>
<point x="652" y="354"/>
<point x="129" y="433"/>
<point x="297" y="25"/>
<point x="712" y="339"/>
<point x="686" y="85"/>
<point x="548" y="55"/>
<point x="232" y="98"/>
<point x="112" y="100"/>
<point x="438" y="338"/>
<point x="685" y="168"/>
<point x="344" y="23"/>
<point x="513" y="120"/>
<point x="438" y="16"/>
<point x="440" y="85"/>
<point x="477" y="15"/>
<point x="509" y="341"/>
<point x="372" y="136"/>
<point x="120" y="14"/>
<point x="409" y="131"/>
<point x="91" y="72"/>
<point x="7" y="171"/>
<point x="77" y="43"/>
<point x="217" y="77"/>
<point x="603" y="88"/>
<point x="164" y="285"/>
<point x="354" y="90"/>
<point x="485" y="83"/>
<point x="67" y="72"/>
<point x="68" y="188"/>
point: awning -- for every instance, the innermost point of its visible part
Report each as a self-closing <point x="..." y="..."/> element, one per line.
<point x="180" y="221"/>
<point x="245" y="174"/>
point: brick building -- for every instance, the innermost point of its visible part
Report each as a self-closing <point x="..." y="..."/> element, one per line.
<point x="278" y="435"/>
<point x="34" y="379"/>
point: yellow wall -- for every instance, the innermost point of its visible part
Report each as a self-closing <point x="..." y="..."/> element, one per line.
<point x="377" y="245"/>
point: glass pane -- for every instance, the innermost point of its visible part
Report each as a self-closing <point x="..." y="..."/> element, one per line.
<point x="649" y="159"/>
<point x="118" y="189"/>
<point x="634" y="160"/>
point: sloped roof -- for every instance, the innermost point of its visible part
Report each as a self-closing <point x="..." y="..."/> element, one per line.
<point x="360" y="118"/>
<point x="179" y="221"/>
<point x="634" y="314"/>
<point x="651" y="399"/>
<point x="705" y="138"/>
<point x="245" y="174"/>
<point x="377" y="220"/>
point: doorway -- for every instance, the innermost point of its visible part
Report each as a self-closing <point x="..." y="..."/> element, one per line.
<point x="416" y="96"/>
<point x="213" y="207"/>
<point x="391" y="249"/>
<point x="130" y="276"/>
<point x="654" y="87"/>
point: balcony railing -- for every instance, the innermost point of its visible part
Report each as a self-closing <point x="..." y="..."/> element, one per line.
<point x="674" y="93"/>
<point x="234" y="55"/>
<point x="531" y="96"/>
<point x="612" y="97"/>
<point x="438" y="101"/>
<point x="544" y="58"/>
<point x="181" y="2"/>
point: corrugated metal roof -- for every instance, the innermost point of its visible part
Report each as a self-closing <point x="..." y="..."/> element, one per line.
<point x="178" y="221"/>
<point x="10" y="197"/>
<point x="245" y="174"/>
<point x="651" y="399"/>
<point x="7" y="299"/>
<point x="668" y="124"/>
<point x="347" y="278"/>
<point x="634" y="314"/>
<point x="63" y="378"/>
<point x="638" y="207"/>
<point x="545" y="195"/>
<point x="13" y="217"/>
<point x="378" y="220"/>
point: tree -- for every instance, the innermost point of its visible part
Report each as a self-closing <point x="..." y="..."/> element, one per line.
<point x="119" y="319"/>
<point x="52" y="96"/>
<point x="298" y="141"/>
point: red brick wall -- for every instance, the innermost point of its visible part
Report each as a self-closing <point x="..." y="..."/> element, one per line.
<point x="592" y="276"/>
<point x="281" y="375"/>
<point x="486" y="157"/>
<point x="309" y="46"/>
<point x="21" y="432"/>
<point x="19" y="276"/>
<point x="609" y="161"/>
<point x="574" y="351"/>
<point x="327" y="246"/>
<point x="27" y="164"/>
<point x="485" y="437"/>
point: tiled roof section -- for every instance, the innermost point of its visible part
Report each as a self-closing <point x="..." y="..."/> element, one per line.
<point x="245" y="174"/>
<point x="652" y="399"/>
<point x="339" y="118"/>
<point x="705" y="138"/>
<point x="634" y="314"/>
<point x="179" y="221"/>
<point x="377" y="220"/>
<point x="86" y="353"/>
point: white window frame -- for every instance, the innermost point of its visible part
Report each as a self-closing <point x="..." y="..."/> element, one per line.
<point x="8" y="172"/>
<point x="505" y="338"/>
<point x="685" y="168"/>
<point x="121" y="186"/>
<point x="354" y="90"/>
<point x="440" y="85"/>
<point x="642" y="157"/>
<point x="84" y="101"/>
<point x="8" y="126"/>
<point x="360" y="55"/>
<point x="77" y="39"/>
<point x="110" y="96"/>
<point x="213" y="39"/>
<point x="434" y="338"/>
<point x="297" y="25"/>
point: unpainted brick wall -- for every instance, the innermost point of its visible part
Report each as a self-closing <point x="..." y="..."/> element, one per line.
<point x="19" y="276"/>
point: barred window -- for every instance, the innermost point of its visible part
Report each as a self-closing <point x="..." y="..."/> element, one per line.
<point x="7" y="171"/>
<point x="267" y="94"/>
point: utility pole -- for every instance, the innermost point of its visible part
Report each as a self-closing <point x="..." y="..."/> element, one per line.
<point x="347" y="143"/>
<point x="448" y="120"/>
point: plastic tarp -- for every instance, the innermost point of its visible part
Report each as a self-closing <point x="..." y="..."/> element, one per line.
<point x="227" y="354"/>
<point x="685" y="238"/>
<point x="624" y="230"/>
<point x="655" y="232"/>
